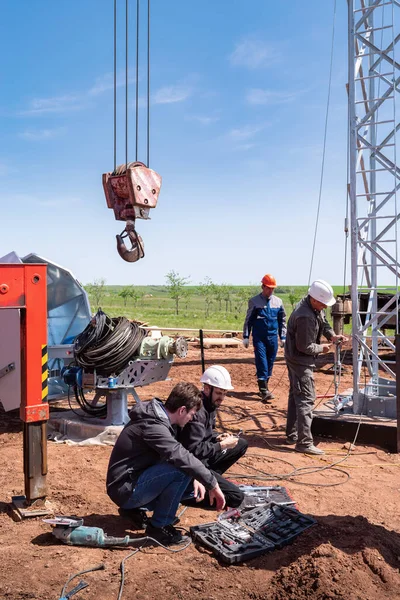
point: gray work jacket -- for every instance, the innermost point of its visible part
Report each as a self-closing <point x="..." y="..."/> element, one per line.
<point x="149" y="439"/>
<point x="304" y="330"/>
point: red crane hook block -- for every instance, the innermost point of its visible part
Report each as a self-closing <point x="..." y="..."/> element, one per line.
<point x="131" y="190"/>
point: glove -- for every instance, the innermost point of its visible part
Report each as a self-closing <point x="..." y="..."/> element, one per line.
<point x="246" y="342"/>
<point x="282" y="344"/>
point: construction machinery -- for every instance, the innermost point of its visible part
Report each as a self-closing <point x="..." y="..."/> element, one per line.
<point x="111" y="358"/>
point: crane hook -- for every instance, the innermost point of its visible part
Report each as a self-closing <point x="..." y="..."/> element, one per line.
<point x="137" y="247"/>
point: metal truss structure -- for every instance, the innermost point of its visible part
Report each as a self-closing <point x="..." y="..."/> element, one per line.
<point x="374" y="79"/>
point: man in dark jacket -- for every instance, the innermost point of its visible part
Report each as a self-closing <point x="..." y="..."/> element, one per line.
<point x="150" y="470"/>
<point x="217" y="452"/>
<point x="266" y="320"/>
<point x="306" y="325"/>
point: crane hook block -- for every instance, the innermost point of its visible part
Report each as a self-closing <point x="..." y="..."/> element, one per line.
<point x="137" y="247"/>
<point x="131" y="191"/>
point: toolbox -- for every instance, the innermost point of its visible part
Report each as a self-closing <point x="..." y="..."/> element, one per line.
<point x="240" y="537"/>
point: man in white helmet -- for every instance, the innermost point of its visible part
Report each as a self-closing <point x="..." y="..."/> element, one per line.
<point x="216" y="451"/>
<point x="306" y="325"/>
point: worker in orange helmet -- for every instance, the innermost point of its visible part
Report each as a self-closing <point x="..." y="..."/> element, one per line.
<point x="266" y="320"/>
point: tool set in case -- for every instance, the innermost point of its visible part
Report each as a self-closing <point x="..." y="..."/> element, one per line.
<point x="238" y="537"/>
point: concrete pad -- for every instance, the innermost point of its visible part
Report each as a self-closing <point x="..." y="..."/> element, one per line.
<point x="70" y="428"/>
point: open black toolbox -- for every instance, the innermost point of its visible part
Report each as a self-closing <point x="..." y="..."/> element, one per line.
<point x="245" y="536"/>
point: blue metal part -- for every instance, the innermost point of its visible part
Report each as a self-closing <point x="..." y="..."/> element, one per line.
<point x="72" y="376"/>
<point x="112" y="382"/>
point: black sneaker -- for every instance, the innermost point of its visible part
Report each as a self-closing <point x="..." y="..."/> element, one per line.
<point x="137" y="516"/>
<point x="167" y="535"/>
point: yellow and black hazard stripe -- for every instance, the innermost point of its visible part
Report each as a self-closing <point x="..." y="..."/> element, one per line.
<point x="45" y="374"/>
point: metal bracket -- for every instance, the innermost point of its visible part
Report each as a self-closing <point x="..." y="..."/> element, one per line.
<point x="19" y="509"/>
<point x="8" y="369"/>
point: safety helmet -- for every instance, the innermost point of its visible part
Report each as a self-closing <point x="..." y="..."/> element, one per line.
<point x="321" y="290"/>
<point x="217" y="376"/>
<point x="269" y="281"/>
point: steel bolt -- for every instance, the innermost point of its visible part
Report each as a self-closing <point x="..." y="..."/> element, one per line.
<point x="4" y="288"/>
<point x="36" y="279"/>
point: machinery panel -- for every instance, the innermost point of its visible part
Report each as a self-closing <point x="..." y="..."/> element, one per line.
<point x="10" y="353"/>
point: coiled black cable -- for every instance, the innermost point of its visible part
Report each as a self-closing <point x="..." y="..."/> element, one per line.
<point x="107" y="344"/>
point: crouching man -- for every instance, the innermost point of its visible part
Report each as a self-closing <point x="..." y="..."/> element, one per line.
<point x="150" y="470"/>
<point x="217" y="452"/>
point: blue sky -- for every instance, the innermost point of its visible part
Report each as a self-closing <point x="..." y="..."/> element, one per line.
<point x="238" y="101"/>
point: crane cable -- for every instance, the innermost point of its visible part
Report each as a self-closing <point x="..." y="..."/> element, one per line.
<point x="324" y="144"/>
<point x="136" y="84"/>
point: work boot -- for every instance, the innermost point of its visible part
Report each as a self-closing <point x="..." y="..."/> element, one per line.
<point x="266" y="395"/>
<point x="137" y="517"/>
<point x="291" y="441"/>
<point x="166" y="536"/>
<point x="311" y="449"/>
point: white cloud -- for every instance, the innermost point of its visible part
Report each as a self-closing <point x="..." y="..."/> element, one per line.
<point x="74" y="102"/>
<point x="245" y="147"/>
<point x="254" y="54"/>
<point x="267" y="97"/>
<point x="105" y="83"/>
<point x="172" y="93"/>
<point x="41" y="134"/>
<point x="247" y="132"/>
<point x="57" y="104"/>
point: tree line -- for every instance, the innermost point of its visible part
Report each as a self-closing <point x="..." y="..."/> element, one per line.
<point x="221" y="297"/>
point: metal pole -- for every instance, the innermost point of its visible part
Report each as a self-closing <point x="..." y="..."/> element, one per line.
<point x="373" y="298"/>
<point x="353" y="202"/>
<point x="203" y="368"/>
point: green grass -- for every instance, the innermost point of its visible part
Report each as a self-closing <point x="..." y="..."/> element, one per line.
<point x="156" y="307"/>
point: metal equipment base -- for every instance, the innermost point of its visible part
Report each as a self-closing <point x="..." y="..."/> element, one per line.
<point x="18" y="509"/>
<point x="376" y="431"/>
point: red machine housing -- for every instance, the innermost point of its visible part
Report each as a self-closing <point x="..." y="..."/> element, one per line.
<point x="24" y="287"/>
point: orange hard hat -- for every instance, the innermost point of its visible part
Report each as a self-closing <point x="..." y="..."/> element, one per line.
<point x="269" y="281"/>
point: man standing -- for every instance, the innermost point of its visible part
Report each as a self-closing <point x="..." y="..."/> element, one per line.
<point x="303" y="343"/>
<point x="266" y="319"/>
<point x="150" y="470"/>
<point x="216" y="452"/>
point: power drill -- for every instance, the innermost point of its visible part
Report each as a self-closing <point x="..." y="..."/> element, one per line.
<point x="73" y="532"/>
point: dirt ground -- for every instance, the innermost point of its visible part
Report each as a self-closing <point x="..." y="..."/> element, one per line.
<point x="352" y="553"/>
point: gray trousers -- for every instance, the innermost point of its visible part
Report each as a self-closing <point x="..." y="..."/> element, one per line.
<point x="300" y="404"/>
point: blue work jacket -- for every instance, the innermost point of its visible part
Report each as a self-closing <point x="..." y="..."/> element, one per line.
<point x="265" y="318"/>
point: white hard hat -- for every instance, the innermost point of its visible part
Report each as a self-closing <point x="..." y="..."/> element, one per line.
<point x="321" y="290"/>
<point x="217" y="376"/>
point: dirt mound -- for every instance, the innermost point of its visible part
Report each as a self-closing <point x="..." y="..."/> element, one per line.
<point x="360" y="561"/>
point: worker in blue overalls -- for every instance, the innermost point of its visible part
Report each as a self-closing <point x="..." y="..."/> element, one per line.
<point x="266" y="320"/>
